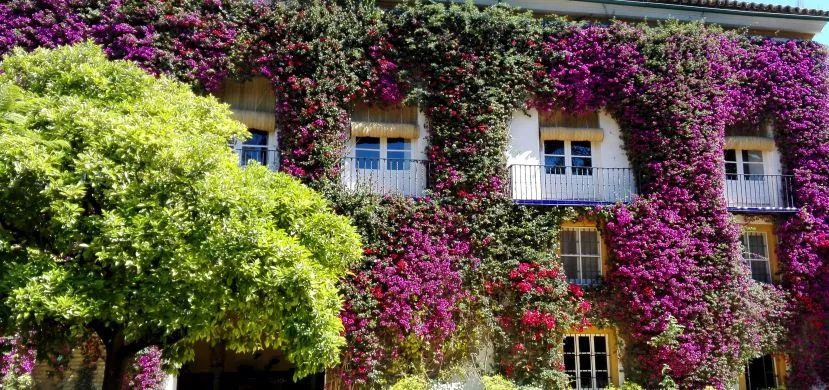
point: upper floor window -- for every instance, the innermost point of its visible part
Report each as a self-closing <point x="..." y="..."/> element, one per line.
<point x="255" y="148"/>
<point x="744" y="165"/>
<point x="581" y="255"/>
<point x="756" y="255"/>
<point x="586" y="361"/>
<point x="393" y="154"/>
<point x="558" y="155"/>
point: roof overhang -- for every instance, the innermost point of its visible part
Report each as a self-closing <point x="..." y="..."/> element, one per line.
<point x="629" y="9"/>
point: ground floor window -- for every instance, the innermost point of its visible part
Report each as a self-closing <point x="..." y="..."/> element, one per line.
<point x="586" y="361"/>
<point x="761" y="374"/>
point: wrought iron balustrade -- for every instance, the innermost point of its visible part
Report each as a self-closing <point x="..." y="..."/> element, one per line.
<point x="570" y="185"/>
<point x="759" y="192"/>
<point x="384" y="176"/>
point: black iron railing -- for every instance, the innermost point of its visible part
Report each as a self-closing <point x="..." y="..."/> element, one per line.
<point x="566" y="185"/>
<point x="386" y="176"/>
<point x="759" y="192"/>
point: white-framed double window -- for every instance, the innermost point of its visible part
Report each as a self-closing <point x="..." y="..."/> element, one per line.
<point x="743" y="164"/>
<point x="581" y="255"/>
<point x="393" y="154"/>
<point x="586" y="361"/>
<point x="558" y="155"/>
<point x="756" y="255"/>
<point x="259" y="148"/>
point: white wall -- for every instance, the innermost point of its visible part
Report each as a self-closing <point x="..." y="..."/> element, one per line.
<point x="611" y="153"/>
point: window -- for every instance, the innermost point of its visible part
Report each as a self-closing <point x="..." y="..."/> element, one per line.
<point x="755" y="254"/>
<point x="367" y="152"/>
<point x="581" y="255"/>
<point x="255" y="148"/>
<point x="396" y="153"/>
<point x="761" y="374"/>
<point x="560" y="154"/>
<point x="748" y="163"/>
<point x="586" y="361"/>
<point x="399" y="154"/>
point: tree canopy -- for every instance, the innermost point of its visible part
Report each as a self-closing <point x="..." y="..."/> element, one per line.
<point x="123" y="211"/>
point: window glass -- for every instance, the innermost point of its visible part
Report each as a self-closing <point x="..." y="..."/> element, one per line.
<point x="255" y="148"/>
<point x="753" y="164"/>
<point x="755" y="254"/>
<point x="581" y="152"/>
<point x="554" y="157"/>
<point x="580" y="255"/>
<point x="399" y="154"/>
<point x="730" y="164"/>
<point x="367" y="152"/>
<point x="586" y="361"/>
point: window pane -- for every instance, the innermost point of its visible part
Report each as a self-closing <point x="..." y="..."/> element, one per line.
<point x="569" y="362"/>
<point x="589" y="242"/>
<point x="585" y="380"/>
<point x="599" y="344"/>
<point x="601" y="361"/>
<point x="602" y="380"/>
<point x="757" y="244"/>
<point x="258" y="138"/>
<point x="584" y="347"/>
<point x="731" y="171"/>
<point x="752" y="156"/>
<point x="554" y="165"/>
<point x="254" y="153"/>
<point x="569" y="344"/>
<point x="368" y="143"/>
<point x="569" y="242"/>
<point x="398" y="144"/>
<point x="571" y="267"/>
<point x="554" y="147"/>
<point x="730" y="155"/>
<point x="581" y="166"/>
<point x="753" y="169"/>
<point x="590" y="268"/>
<point x="580" y="148"/>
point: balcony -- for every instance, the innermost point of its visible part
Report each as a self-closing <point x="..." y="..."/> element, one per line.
<point x="383" y="176"/>
<point x="571" y="186"/>
<point x="592" y="186"/>
<point x="760" y="193"/>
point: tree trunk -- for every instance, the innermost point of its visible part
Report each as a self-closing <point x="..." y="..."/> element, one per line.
<point x="116" y="361"/>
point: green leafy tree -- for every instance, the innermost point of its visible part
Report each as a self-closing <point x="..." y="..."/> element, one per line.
<point x="123" y="212"/>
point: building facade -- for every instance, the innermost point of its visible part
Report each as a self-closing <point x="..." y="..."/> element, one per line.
<point x="538" y="163"/>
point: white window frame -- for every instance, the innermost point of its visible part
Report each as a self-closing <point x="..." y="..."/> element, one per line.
<point x="271" y="151"/>
<point x="384" y="153"/>
<point x="569" y="168"/>
<point x="593" y="371"/>
<point x="581" y="280"/>
<point x="752" y="257"/>
<point x="740" y="162"/>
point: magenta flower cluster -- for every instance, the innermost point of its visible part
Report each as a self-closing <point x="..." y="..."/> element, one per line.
<point x="146" y="372"/>
<point x="410" y="296"/>
<point x="16" y="357"/>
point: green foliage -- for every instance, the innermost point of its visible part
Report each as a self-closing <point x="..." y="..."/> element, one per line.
<point x="125" y="212"/>
<point x="497" y="382"/>
<point x="625" y="386"/>
<point x="411" y="383"/>
<point x="13" y="381"/>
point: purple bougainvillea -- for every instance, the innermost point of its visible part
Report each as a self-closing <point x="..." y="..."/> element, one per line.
<point x="16" y="358"/>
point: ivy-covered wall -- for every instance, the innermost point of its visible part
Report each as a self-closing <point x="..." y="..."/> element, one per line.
<point x="444" y="273"/>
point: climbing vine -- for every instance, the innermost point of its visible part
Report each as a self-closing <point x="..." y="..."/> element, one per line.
<point x="444" y="272"/>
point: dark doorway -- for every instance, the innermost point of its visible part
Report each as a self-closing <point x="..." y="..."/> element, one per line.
<point x="250" y="381"/>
